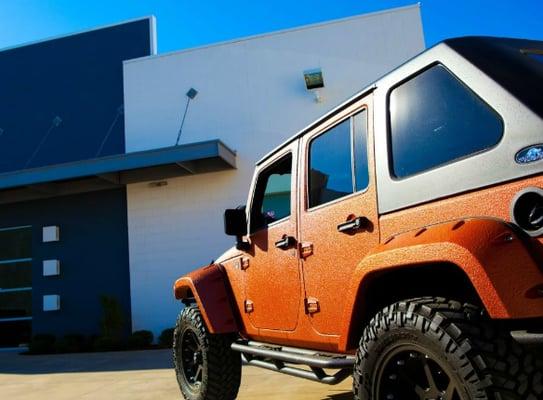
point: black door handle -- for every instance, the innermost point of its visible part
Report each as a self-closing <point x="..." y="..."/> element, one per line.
<point x="285" y="242"/>
<point x="353" y="225"/>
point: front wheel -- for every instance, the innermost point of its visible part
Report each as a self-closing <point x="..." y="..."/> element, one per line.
<point x="205" y="365"/>
<point x="432" y="348"/>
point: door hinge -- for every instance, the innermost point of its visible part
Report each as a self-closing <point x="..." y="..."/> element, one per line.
<point x="306" y="249"/>
<point x="311" y="305"/>
<point x="249" y="306"/>
<point x="242" y="263"/>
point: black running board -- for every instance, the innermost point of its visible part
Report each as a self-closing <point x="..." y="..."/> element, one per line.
<point x="275" y="357"/>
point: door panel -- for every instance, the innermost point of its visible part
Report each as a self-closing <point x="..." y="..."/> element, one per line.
<point x="337" y="247"/>
<point x="273" y="274"/>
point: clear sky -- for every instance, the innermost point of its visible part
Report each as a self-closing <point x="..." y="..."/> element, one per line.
<point x="189" y="23"/>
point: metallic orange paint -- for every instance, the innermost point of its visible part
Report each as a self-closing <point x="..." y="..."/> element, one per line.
<point x="468" y="230"/>
<point x="493" y="256"/>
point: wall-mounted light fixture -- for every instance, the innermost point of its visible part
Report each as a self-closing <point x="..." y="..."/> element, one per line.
<point x="314" y="81"/>
<point x="158" y="184"/>
<point x="191" y="94"/>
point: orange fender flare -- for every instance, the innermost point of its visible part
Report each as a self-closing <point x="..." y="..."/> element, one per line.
<point x="208" y="286"/>
<point x="492" y="255"/>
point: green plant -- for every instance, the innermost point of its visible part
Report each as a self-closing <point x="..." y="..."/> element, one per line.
<point x="42" y="344"/>
<point x="166" y="338"/>
<point x="111" y="325"/>
<point x="112" y="317"/>
<point x="140" y="339"/>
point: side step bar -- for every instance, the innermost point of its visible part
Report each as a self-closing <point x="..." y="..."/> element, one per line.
<point x="274" y="357"/>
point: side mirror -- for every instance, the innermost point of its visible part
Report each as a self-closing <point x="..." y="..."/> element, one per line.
<point x="235" y="222"/>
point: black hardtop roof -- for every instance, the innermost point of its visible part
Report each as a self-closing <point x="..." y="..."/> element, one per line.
<point x="501" y="58"/>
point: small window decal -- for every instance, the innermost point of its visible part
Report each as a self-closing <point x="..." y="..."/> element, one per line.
<point x="530" y="154"/>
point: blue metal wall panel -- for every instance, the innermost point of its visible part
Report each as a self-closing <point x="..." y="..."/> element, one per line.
<point x="79" y="79"/>
<point x="93" y="254"/>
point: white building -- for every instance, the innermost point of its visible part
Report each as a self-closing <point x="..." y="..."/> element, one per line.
<point x="251" y="96"/>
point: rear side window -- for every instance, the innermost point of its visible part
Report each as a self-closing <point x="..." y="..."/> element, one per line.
<point x="436" y="119"/>
<point x="338" y="161"/>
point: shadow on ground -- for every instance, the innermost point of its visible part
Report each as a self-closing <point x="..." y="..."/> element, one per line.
<point x="12" y="363"/>
<point x="340" y="396"/>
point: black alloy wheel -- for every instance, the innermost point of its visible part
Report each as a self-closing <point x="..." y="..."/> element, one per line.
<point x="432" y="348"/>
<point x="205" y="365"/>
<point x="192" y="359"/>
<point x="410" y="372"/>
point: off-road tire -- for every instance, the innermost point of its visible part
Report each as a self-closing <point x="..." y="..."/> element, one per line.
<point x="480" y="353"/>
<point x="221" y="366"/>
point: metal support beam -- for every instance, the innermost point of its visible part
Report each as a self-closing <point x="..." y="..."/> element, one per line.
<point x="43" y="188"/>
<point x="188" y="166"/>
<point x="113" y="177"/>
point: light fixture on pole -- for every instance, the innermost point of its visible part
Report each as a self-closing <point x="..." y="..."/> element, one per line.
<point x="191" y="94"/>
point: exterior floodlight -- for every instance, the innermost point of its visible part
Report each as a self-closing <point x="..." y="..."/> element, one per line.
<point x="313" y="79"/>
<point x="191" y="94"/>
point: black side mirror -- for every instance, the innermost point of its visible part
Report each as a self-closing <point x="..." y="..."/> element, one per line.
<point x="235" y="224"/>
<point x="235" y="221"/>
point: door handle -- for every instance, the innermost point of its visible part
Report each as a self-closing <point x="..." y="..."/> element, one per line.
<point x="353" y="225"/>
<point x="285" y="242"/>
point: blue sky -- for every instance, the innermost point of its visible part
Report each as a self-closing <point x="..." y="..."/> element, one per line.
<point x="189" y="23"/>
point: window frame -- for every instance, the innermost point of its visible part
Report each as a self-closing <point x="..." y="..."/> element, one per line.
<point x="322" y="131"/>
<point x="280" y="158"/>
<point x="28" y="260"/>
<point x="390" y="155"/>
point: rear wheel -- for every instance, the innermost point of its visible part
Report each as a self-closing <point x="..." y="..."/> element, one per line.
<point x="205" y="365"/>
<point x="432" y="348"/>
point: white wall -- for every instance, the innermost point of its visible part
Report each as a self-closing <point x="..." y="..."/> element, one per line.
<point x="252" y="96"/>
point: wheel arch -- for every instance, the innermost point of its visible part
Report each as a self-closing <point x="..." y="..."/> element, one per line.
<point x="475" y="254"/>
<point x="388" y="286"/>
<point x="209" y="288"/>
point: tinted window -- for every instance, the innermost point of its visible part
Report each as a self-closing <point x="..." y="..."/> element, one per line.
<point x="15" y="243"/>
<point x="15" y="275"/>
<point x="15" y="304"/>
<point x="435" y="119"/>
<point x="360" y="150"/>
<point x="330" y="173"/>
<point x="272" y="195"/>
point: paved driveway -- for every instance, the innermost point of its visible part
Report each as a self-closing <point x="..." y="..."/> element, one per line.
<point x="135" y="375"/>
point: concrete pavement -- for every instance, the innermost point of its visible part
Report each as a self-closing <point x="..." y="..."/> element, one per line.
<point x="136" y="375"/>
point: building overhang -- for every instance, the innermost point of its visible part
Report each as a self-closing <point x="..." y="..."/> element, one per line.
<point x="116" y="171"/>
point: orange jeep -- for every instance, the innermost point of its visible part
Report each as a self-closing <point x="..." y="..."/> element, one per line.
<point x="398" y="239"/>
